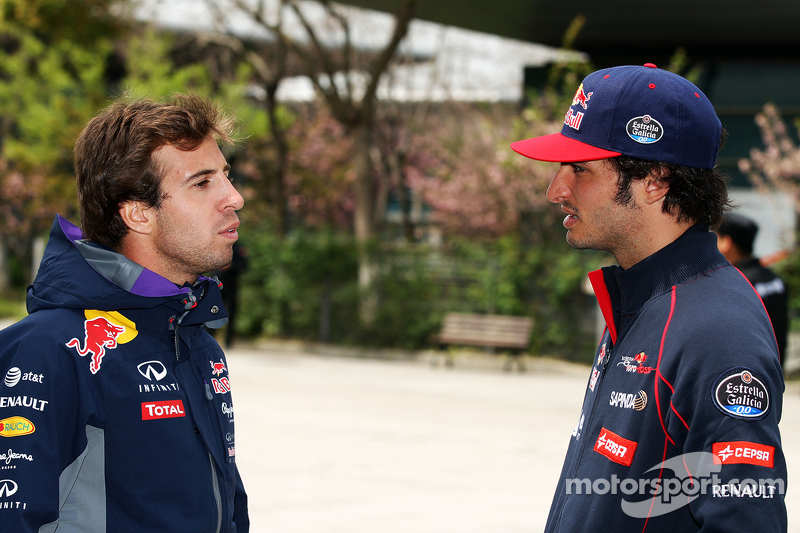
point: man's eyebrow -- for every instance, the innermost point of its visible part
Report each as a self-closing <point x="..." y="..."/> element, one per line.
<point x="206" y="172"/>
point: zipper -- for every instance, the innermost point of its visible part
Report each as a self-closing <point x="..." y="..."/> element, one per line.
<point x="583" y="446"/>
<point x="217" y="495"/>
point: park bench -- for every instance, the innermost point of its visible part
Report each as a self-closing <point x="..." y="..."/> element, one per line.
<point x="490" y="331"/>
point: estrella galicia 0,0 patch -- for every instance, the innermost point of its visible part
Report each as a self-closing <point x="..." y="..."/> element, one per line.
<point x="740" y="393"/>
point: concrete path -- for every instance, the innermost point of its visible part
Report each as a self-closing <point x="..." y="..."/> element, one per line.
<point x="333" y="444"/>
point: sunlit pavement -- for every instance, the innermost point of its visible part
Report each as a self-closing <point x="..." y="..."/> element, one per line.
<point x="334" y="444"/>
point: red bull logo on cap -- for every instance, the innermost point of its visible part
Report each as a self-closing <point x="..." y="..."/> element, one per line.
<point x="581" y="98"/>
<point x="102" y="330"/>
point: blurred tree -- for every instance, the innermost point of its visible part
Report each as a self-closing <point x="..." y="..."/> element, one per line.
<point x="46" y="94"/>
<point x="347" y="80"/>
<point x="777" y="165"/>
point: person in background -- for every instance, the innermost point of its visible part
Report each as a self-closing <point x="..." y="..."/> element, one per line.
<point x="735" y="239"/>
<point x="114" y="398"/>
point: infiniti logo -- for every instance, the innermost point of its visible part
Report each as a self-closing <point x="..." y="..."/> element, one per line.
<point x="7" y="488"/>
<point x="152" y="370"/>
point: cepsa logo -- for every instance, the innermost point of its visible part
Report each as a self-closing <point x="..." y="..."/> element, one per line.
<point x="102" y="330"/>
<point x="165" y="409"/>
<point x="16" y="426"/>
<point x="743" y="452"/>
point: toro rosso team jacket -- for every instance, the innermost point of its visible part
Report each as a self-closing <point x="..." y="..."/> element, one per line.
<point x="115" y="403"/>
<point x="679" y="426"/>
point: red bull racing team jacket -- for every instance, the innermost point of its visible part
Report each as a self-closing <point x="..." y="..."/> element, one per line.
<point x="115" y="403"/>
<point x="679" y="426"/>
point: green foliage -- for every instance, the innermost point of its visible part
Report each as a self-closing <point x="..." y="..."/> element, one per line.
<point x="46" y="93"/>
<point x="290" y="280"/>
<point x="789" y="271"/>
<point x="151" y="73"/>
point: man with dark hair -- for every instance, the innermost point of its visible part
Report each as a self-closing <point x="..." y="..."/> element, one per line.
<point x="679" y="425"/>
<point x="735" y="239"/>
<point x="115" y="400"/>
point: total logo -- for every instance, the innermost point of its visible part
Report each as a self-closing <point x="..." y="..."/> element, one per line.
<point x="9" y="487"/>
<point x="164" y="409"/>
<point x="15" y="375"/>
<point x="636" y="401"/>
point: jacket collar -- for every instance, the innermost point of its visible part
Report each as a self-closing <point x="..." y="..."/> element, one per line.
<point x="622" y="293"/>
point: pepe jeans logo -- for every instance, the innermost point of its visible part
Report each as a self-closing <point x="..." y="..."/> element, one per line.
<point x="740" y="394"/>
<point x="645" y="129"/>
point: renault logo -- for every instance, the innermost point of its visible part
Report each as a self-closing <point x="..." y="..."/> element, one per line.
<point x="152" y="370"/>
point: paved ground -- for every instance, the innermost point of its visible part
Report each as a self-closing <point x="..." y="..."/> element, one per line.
<point x="330" y="444"/>
<point x="337" y="443"/>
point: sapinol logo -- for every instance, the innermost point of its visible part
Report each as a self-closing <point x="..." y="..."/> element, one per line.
<point x="165" y="409"/>
<point x="743" y="452"/>
<point x="16" y="426"/>
<point x="614" y="447"/>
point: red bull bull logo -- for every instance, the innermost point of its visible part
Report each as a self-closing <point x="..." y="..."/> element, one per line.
<point x="102" y="331"/>
<point x="218" y="368"/>
<point x="581" y="98"/>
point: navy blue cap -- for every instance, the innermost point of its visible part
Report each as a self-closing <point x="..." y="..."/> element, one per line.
<point x="642" y="112"/>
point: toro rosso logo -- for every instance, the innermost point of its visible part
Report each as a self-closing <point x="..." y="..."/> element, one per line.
<point x="102" y="330"/>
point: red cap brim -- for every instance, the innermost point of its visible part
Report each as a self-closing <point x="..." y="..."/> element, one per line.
<point x="558" y="148"/>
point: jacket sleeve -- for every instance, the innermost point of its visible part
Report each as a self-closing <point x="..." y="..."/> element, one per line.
<point x="727" y="403"/>
<point x="240" y="513"/>
<point x="40" y="413"/>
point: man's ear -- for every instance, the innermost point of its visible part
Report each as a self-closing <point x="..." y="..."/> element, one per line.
<point x="138" y="217"/>
<point x="655" y="186"/>
<point x="724" y="243"/>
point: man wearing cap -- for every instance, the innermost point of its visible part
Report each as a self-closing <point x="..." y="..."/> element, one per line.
<point x="735" y="238"/>
<point x="679" y="425"/>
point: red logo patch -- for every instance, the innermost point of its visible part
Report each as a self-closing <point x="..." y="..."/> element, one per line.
<point x="615" y="447"/>
<point x="166" y="409"/>
<point x="99" y="335"/>
<point x="743" y="452"/>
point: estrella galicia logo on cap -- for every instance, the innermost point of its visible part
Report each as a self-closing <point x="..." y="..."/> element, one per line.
<point x="645" y="129"/>
<point x="739" y="393"/>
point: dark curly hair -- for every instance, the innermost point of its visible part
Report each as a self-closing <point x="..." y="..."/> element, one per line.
<point x="697" y="195"/>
